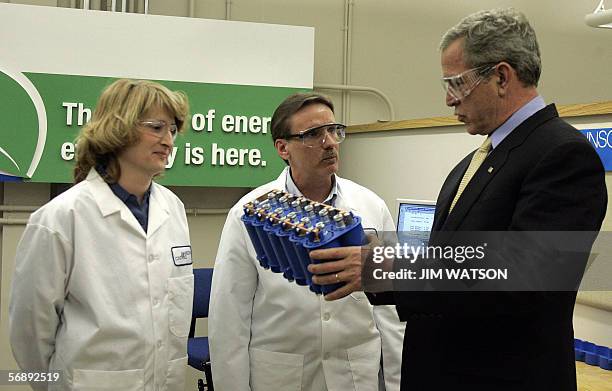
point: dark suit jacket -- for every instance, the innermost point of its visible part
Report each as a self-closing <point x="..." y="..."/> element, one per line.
<point x="545" y="176"/>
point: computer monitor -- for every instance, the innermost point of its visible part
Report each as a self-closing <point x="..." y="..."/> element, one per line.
<point x="414" y="220"/>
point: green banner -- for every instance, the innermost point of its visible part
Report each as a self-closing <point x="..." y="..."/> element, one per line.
<point x="227" y="141"/>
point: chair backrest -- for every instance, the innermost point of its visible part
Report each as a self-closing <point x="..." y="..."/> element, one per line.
<point x="201" y="293"/>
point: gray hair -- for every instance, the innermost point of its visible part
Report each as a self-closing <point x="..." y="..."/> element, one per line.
<point x="498" y="35"/>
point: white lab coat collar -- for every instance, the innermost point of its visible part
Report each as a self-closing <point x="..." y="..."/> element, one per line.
<point x="292" y="188"/>
<point x="158" y="210"/>
<point x="109" y="203"/>
<point x="341" y="186"/>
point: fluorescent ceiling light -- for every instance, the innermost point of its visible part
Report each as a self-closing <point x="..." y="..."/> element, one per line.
<point x="600" y="17"/>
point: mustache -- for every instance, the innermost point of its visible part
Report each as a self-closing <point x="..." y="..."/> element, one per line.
<point x="329" y="155"/>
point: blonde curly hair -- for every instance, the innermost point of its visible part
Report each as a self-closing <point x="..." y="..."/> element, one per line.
<point x="112" y="127"/>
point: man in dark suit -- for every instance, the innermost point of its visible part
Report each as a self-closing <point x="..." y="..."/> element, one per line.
<point x="534" y="173"/>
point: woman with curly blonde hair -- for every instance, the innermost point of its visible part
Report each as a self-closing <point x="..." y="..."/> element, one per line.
<point x="103" y="283"/>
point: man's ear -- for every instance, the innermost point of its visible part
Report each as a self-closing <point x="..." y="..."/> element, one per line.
<point x="281" y="148"/>
<point x="504" y="73"/>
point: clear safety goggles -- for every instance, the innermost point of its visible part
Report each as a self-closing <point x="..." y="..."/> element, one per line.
<point x="159" y="128"/>
<point x="318" y="135"/>
<point x="461" y="86"/>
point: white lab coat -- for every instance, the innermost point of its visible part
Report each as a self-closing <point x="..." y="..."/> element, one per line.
<point x="96" y="297"/>
<point x="266" y="333"/>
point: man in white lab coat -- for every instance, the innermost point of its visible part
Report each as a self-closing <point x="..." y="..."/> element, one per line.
<point x="103" y="283"/>
<point x="269" y="334"/>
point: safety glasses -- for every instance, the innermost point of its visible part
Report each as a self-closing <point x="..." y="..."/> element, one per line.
<point x="461" y="86"/>
<point x="159" y="128"/>
<point x="316" y="136"/>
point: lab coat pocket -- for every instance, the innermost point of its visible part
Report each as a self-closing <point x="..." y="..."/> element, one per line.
<point x="180" y="296"/>
<point x="93" y="380"/>
<point x="276" y="371"/>
<point x="175" y="379"/>
<point x="364" y="361"/>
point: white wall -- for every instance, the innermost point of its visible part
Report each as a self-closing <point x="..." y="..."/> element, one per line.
<point x="593" y="324"/>
<point x="394" y="48"/>
<point x="409" y="163"/>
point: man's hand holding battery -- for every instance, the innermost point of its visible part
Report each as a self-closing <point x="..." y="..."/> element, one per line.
<point x="348" y="265"/>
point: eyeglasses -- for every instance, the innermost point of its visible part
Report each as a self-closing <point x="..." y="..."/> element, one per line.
<point x="159" y="128"/>
<point x="316" y="136"/>
<point x="461" y="86"/>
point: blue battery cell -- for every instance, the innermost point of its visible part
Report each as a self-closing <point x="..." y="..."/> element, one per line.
<point x="297" y="241"/>
<point x="261" y="256"/>
<point x="279" y="252"/>
<point x="300" y="274"/>
<point x="593" y="354"/>
<point x="258" y="225"/>
<point x="284" y="228"/>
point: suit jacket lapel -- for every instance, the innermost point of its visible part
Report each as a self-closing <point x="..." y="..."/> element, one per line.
<point x="489" y="168"/>
<point x="448" y="191"/>
<point x="477" y="184"/>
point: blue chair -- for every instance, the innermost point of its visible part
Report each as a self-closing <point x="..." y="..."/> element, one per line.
<point x="197" y="347"/>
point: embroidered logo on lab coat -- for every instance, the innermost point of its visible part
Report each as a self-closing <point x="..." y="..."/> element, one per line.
<point x="181" y="255"/>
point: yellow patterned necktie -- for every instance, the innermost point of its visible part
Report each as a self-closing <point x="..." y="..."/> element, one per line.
<point x="477" y="159"/>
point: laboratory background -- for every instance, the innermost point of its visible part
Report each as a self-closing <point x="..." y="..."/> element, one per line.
<point x="379" y="62"/>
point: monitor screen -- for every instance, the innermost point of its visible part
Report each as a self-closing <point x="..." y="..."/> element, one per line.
<point x="415" y="219"/>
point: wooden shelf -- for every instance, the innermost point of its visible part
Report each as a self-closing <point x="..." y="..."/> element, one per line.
<point x="576" y="110"/>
